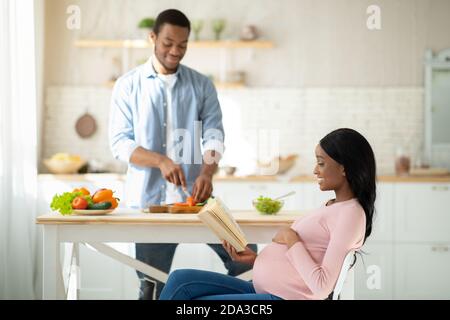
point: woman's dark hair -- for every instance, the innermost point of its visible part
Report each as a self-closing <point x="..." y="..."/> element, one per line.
<point x="173" y="17"/>
<point x="350" y="149"/>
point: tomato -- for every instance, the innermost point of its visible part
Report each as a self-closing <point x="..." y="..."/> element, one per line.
<point x="79" y="203"/>
<point x="83" y="190"/>
<point x="102" y="195"/>
<point x="190" y="201"/>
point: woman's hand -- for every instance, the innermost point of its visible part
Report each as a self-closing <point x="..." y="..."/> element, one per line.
<point x="248" y="256"/>
<point x="286" y="236"/>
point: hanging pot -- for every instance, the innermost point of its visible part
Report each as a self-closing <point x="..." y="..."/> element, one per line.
<point x="86" y="125"/>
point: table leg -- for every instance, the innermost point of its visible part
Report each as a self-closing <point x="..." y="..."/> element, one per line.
<point x="53" y="286"/>
<point x="76" y="269"/>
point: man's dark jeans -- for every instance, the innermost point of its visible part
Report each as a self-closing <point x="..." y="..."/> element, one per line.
<point x="160" y="256"/>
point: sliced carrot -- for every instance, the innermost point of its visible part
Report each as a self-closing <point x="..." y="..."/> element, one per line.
<point x="181" y="204"/>
<point x="190" y="201"/>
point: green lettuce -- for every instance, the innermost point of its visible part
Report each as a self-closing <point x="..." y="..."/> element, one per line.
<point x="63" y="202"/>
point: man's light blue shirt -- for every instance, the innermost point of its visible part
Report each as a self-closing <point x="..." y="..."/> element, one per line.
<point x="138" y="118"/>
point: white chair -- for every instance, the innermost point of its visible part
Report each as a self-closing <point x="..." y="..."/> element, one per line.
<point x="345" y="285"/>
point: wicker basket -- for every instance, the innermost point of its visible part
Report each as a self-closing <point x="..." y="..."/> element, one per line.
<point x="63" y="166"/>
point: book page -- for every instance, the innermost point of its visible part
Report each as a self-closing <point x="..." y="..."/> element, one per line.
<point x="217" y="217"/>
<point x="217" y="208"/>
<point x="226" y="214"/>
<point x="220" y="231"/>
<point x="229" y="230"/>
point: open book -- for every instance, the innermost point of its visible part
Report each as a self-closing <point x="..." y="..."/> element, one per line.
<point x="219" y="219"/>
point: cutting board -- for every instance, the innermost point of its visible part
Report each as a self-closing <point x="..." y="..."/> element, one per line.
<point x="174" y="209"/>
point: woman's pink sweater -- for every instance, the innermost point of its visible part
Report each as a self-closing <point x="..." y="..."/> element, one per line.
<point x="310" y="268"/>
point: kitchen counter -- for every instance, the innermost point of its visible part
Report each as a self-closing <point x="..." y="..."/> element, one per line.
<point x="82" y="177"/>
<point x="390" y="178"/>
<point x="301" y="178"/>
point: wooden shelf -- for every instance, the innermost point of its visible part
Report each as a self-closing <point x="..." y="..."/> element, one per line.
<point x="229" y="85"/>
<point x="142" y="44"/>
<point x="125" y="45"/>
<point x="109" y="84"/>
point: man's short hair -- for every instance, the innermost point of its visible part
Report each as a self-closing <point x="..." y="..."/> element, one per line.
<point x="173" y="17"/>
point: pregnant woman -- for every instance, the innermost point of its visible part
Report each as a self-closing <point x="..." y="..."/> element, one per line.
<point x="304" y="260"/>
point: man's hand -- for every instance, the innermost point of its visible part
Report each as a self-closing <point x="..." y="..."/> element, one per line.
<point x="248" y="256"/>
<point x="202" y="188"/>
<point x="172" y="172"/>
<point x="286" y="236"/>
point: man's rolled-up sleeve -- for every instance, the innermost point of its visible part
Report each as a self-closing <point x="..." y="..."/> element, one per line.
<point x="121" y="132"/>
<point x="211" y="116"/>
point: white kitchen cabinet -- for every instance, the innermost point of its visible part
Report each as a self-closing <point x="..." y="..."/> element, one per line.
<point x="422" y="212"/>
<point x="382" y="228"/>
<point x="374" y="272"/>
<point x="313" y="197"/>
<point x="421" y="271"/>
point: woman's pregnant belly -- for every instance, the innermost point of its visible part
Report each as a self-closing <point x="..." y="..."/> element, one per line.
<point x="273" y="273"/>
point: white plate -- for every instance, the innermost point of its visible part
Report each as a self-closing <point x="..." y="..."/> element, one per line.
<point x="92" y="212"/>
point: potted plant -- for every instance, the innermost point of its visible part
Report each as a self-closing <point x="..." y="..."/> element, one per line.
<point x="218" y="25"/>
<point x="197" y="26"/>
<point x="146" y="25"/>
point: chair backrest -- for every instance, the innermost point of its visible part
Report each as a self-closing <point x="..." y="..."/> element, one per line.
<point x="344" y="282"/>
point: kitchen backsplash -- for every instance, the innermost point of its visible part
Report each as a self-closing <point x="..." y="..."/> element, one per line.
<point x="389" y="117"/>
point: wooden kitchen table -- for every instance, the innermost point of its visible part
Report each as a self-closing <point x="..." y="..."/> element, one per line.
<point x="126" y="225"/>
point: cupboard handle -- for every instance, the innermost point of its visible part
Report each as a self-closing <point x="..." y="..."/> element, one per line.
<point x="439" y="248"/>
<point x="439" y="188"/>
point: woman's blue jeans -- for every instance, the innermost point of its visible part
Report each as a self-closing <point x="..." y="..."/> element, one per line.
<point x="189" y="284"/>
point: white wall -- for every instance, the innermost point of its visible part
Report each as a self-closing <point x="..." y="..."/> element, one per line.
<point x="317" y="43"/>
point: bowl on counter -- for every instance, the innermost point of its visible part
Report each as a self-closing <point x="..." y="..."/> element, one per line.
<point x="284" y="164"/>
<point x="267" y="206"/>
<point x="228" y="170"/>
<point x="64" y="164"/>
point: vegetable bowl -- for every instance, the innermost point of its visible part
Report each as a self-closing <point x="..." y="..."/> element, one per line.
<point x="80" y="201"/>
<point x="266" y="205"/>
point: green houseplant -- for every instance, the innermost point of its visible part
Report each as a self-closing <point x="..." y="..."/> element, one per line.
<point x="146" y="23"/>
<point x="145" y="26"/>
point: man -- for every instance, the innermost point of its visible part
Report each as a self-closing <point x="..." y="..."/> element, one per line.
<point x="159" y="113"/>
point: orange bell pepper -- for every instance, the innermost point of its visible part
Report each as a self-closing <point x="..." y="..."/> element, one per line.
<point x="114" y="202"/>
<point x="102" y="195"/>
<point x="83" y="190"/>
